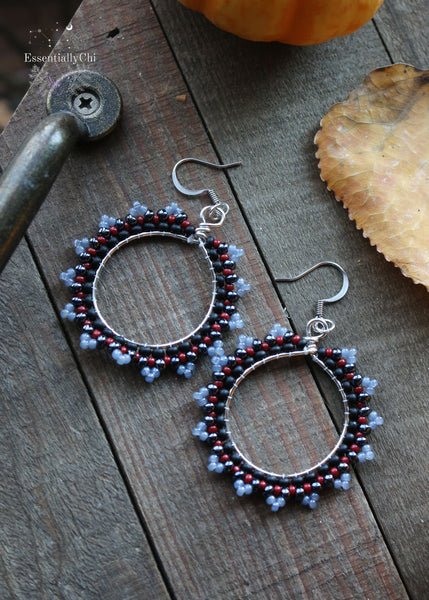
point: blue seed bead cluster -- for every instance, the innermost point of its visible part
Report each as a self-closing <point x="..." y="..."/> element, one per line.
<point x="151" y="360"/>
<point x="278" y="490"/>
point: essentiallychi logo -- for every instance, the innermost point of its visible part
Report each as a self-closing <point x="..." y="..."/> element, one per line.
<point x="60" y="57"/>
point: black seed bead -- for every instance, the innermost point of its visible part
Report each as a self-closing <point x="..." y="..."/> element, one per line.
<point x="209" y="242"/>
<point x="224" y="324"/>
<point x="257" y="345"/>
<point x="189" y="230"/>
<point x="285" y="493"/>
<point x="175" y="228"/>
<point x="208" y="408"/>
<point x="329" y="479"/>
<point x="352" y="455"/>
<point x="94" y="243"/>
<point x="217" y="449"/>
<point x="353" y="412"/>
<point x="299" y="493"/>
<point x="239" y="474"/>
<point x="334" y="461"/>
<point x="222" y="433"/>
<point x="228" y="382"/>
<point x="158" y="353"/>
<point x="352" y="427"/>
<point x="87" y="288"/>
<point x="98" y="324"/>
<point x="349" y="439"/>
<point x="343" y="467"/>
<point x="191" y="357"/>
<point x="336" y="354"/>
<point x="301" y="344"/>
<point x="181" y="217"/>
<point x="84" y="257"/>
<point x="149" y="216"/>
<point x="136" y="230"/>
<point x="364" y="411"/>
<point x="351" y="398"/>
<point x="361" y="441"/>
<point x="268" y="491"/>
<point x="220" y="294"/>
<point x="131" y="220"/>
<point x="162" y="214"/>
<point x="237" y="371"/>
<point x="215" y="335"/>
<point x="231" y="279"/>
<point x="365" y="429"/>
<point x="208" y="420"/>
<point x="175" y="362"/>
<point x="205" y="329"/>
<point x="330" y="363"/>
<point x="347" y="387"/>
<point x="288" y="347"/>
<point x="288" y="336"/>
<point x="357" y="380"/>
<point x="217" y="266"/>
<point x="213" y="389"/>
<point x="222" y="248"/>
<point x="230" y="309"/>
<point x="202" y="348"/>
<point x="342" y="449"/>
<point x="310" y="477"/>
<point x="119" y="224"/>
<point x="185" y="347"/>
<point x="271" y="340"/>
<point x="321" y="353"/>
<point x="231" y="362"/>
<point x="260" y="355"/>
<point x="104" y="232"/>
<point x="219" y="408"/>
<point x="236" y="458"/>
<point x="323" y="469"/>
<point x="80" y="318"/>
<point x="349" y="368"/>
<point x="123" y="234"/>
<point x="284" y="481"/>
<point x="338" y="373"/>
<point x="88" y="328"/>
<point x="218" y="307"/>
<point x="111" y="243"/>
<point x="96" y="261"/>
<point x="222" y="395"/>
<point x="298" y="481"/>
<point x="213" y="255"/>
<point x="232" y="296"/>
<point x="101" y="340"/>
<point x="160" y="363"/>
<point x="218" y="376"/>
<point x="228" y="447"/>
<point x="212" y="438"/>
<point x="241" y="353"/>
<point x="276" y="349"/>
<point x="229" y="264"/>
<point x="316" y="487"/>
<point x="248" y="362"/>
<point x="364" y="397"/>
<point x="228" y="466"/>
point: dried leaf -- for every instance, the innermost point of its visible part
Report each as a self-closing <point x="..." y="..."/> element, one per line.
<point x="373" y="153"/>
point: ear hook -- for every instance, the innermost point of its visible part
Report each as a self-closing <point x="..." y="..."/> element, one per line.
<point x="209" y="191"/>
<point x="341" y="293"/>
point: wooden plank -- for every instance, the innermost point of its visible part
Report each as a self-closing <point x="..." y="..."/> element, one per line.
<point x="67" y="525"/>
<point x="263" y="103"/>
<point x="209" y="541"/>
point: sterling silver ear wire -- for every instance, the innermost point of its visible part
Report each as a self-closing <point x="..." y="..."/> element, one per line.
<point x="281" y="343"/>
<point x="178" y="356"/>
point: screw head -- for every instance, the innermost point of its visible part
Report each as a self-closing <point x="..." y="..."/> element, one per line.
<point x="86" y="103"/>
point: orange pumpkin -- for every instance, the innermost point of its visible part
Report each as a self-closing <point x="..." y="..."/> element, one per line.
<point x="297" y="22"/>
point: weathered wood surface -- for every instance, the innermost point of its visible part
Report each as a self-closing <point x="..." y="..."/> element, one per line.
<point x="125" y="507"/>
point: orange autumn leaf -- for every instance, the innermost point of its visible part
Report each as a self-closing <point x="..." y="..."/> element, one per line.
<point x="373" y="153"/>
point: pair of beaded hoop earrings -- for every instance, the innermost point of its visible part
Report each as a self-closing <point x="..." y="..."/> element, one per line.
<point x="229" y="371"/>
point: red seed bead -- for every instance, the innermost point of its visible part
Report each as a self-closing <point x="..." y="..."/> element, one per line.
<point x="155" y="219"/>
<point x="328" y="352"/>
<point x="335" y="472"/>
<point x="207" y="340"/>
<point x="216" y="243"/>
<point x="238" y="360"/>
<point x="195" y="349"/>
<point x="218" y="443"/>
<point x="307" y="488"/>
<point x="225" y="316"/>
<point x="296" y="339"/>
<point x="182" y="357"/>
<point x="212" y="414"/>
<point x="184" y="224"/>
<point x="265" y="346"/>
<point x="320" y="479"/>
<point x="87" y="265"/>
<point x="227" y="302"/>
<point x="171" y="219"/>
<point x="248" y="478"/>
<point x="341" y="362"/>
<point x="216" y="327"/>
<point x="227" y="370"/>
<point x="151" y="361"/>
<point x="109" y="341"/>
<point x="101" y="240"/>
<point x="140" y="220"/>
<point x="96" y="333"/>
<point x="229" y="286"/>
<point x="218" y="384"/>
<point x="212" y="429"/>
<point x="235" y="469"/>
<point x="223" y="257"/>
<point x="279" y="340"/>
<point x="80" y="295"/>
<point x="124" y="349"/>
<point x="227" y="272"/>
<point x="79" y="279"/>
<point x="127" y="226"/>
<point x="350" y="376"/>
<point x="250" y="351"/>
<point x="81" y="309"/>
<point x="262" y="485"/>
<point x="362" y="420"/>
<point x="358" y="389"/>
<point x="87" y="322"/>
<point x="92" y="251"/>
<point x="345" y="459"/>
<point x="355" y="448"/>
<point x="277" y="490"/>
<point x="224" y="458"/>
<point x="292" y="490"/>
<point x="113" y="230"/>
<point x="212" y="399"/>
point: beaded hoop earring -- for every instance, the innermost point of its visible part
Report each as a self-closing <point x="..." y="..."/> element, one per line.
<point x="339" y="364"/>
<point x="179" y="355"/>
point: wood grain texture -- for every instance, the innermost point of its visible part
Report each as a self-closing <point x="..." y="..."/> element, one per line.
<point x="210" y="542"/>
<point x="67" y="525"/>
<point x="265" y="102"/>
